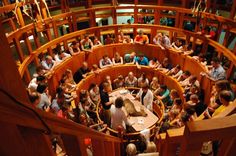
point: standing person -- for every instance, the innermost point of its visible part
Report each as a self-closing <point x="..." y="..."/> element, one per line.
<point x="145" y="96"/>
<point x="118" y="117"/>
<point x="106" y="103"/>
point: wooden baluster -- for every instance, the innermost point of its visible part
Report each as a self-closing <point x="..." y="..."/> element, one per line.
<point x="98" y="147"/>
<point x="92" y="17"/>
<point x="233" y="10"/>
<point x="177" y="20"/>
<point x="55" y="28"/>
<point x="12" y="145"/>
<point x="109" y="148"/>
<point x="160" y="2"/>
<point x="114" y="16"/>
<point x="74" y="20"/>
<point x="184" y="3"/>
<point x="157" y="16"/>
<point x="27" y="42"/>
<point x="73" y="145"/>
<point x="12" y="24"/>
<point x="135" y="2"/>
<point x="37" y="143"/>
<point x="18" y="49"/>
<point x="205" y="46"/>
<point x="20" y="17"/>
<point x="226" y="146"/>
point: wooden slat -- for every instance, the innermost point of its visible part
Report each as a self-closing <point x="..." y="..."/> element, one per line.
<point x="37" y="143"/>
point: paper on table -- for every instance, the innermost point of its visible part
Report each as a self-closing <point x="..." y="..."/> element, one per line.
<point x="140" y="120"/>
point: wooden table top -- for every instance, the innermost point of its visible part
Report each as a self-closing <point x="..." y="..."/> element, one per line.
<point x="139" y="123"/>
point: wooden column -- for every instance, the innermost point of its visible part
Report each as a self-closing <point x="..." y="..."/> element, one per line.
<point x="184" y="3"/>
<point x="89" y="4"/>
<point x="20" y="17"/>
<point x="208" y="5"/>
<point x="160" y="2"/>
<point x="9" y="71"/>
<point x="135" y="2"/>
<point x="233" y="10"/>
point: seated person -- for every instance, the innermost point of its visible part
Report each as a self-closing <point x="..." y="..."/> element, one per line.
<point x="217" y="72"/>
<point x="45" y="98"/>
<point x="193" y="90"/>
<point x="141" y="60"/>
<point x="131" y="80"/>
<point x="86" y="44"/>
<point x="57" y="103"/>
<point x="118" y="117"/>
<point x="175" y="109"/>
<point x="95" y="69"/>
<point x="96" y="42"/>
<point x="109" y="40"/>
<point x="153" y="63"/>
<point x="197" y="104"/>
<point x="48" y="63"/>
<point x="119" y="82"/>
<point x="154" y="85"/>
<point x="192" y="81"/>
<point x="145" y="96"/>
<point x="157" y="39"/>
<point x="130" y="58"/>
<point x="131" y="149"/>
<point x="187" y="49"/>
<point x="175" y="72"/>
<point x="143" y="80"/>
<point x="141" y="38"/>
<point x="105" y="62"/>
<point x="94" y="93"/>
<point x="184" y="78"/>
<point x="201" y="58"/>
<point x="61" y="56"/>
<point x="69" y="80"/>
<point x="163" y="94"/>
<point x="117" y="59"/>
<point x="151" y="149"/>
<point x="124" y="38"/>
<point x="165" y="65"/>
<point x="35" y="81"/>
<point x="74" y="48"/>
<point x="34" y="98"/>
<point x="165" y="42"/>
<point x="178" y="45"/>
<point x="81" y="73"/>
<point x="225" y="99"/>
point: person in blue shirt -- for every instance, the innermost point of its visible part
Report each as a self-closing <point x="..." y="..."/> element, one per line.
<point x="141" y="60"/>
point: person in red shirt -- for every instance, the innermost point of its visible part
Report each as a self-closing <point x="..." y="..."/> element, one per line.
<point x="141" y="38"/>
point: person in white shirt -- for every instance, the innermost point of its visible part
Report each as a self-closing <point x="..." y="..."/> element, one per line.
<point x="131" y="80"/>
<point x="48" y="63"/>
<point x="118" y="117"/>
<point x="61" y="56"/>
<point x="105" y="62"/>
<point x="145" y="96"/>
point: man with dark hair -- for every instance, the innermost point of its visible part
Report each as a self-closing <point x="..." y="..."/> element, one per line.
<point x="45" y="98"/>
<point x="141" y="60"/>
<point x="217" y="72"/>
<point x="106" y="103"/>
<point x="118" y="117"/>
<point x="145" y="96"/>
<point x="35" y="81"/>
<point x="81" y="73"/>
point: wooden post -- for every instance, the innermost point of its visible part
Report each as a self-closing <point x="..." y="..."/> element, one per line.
<point x="18" y="49"/>
<point x="184" y="3"/>
<point x="160" y="2"/>
<point x="233" y="10"/>
<point x="10" y="74"/>
<point x="20" y="17"/>
<point x="89" y="4"/>
<point x="135" y="2"/>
